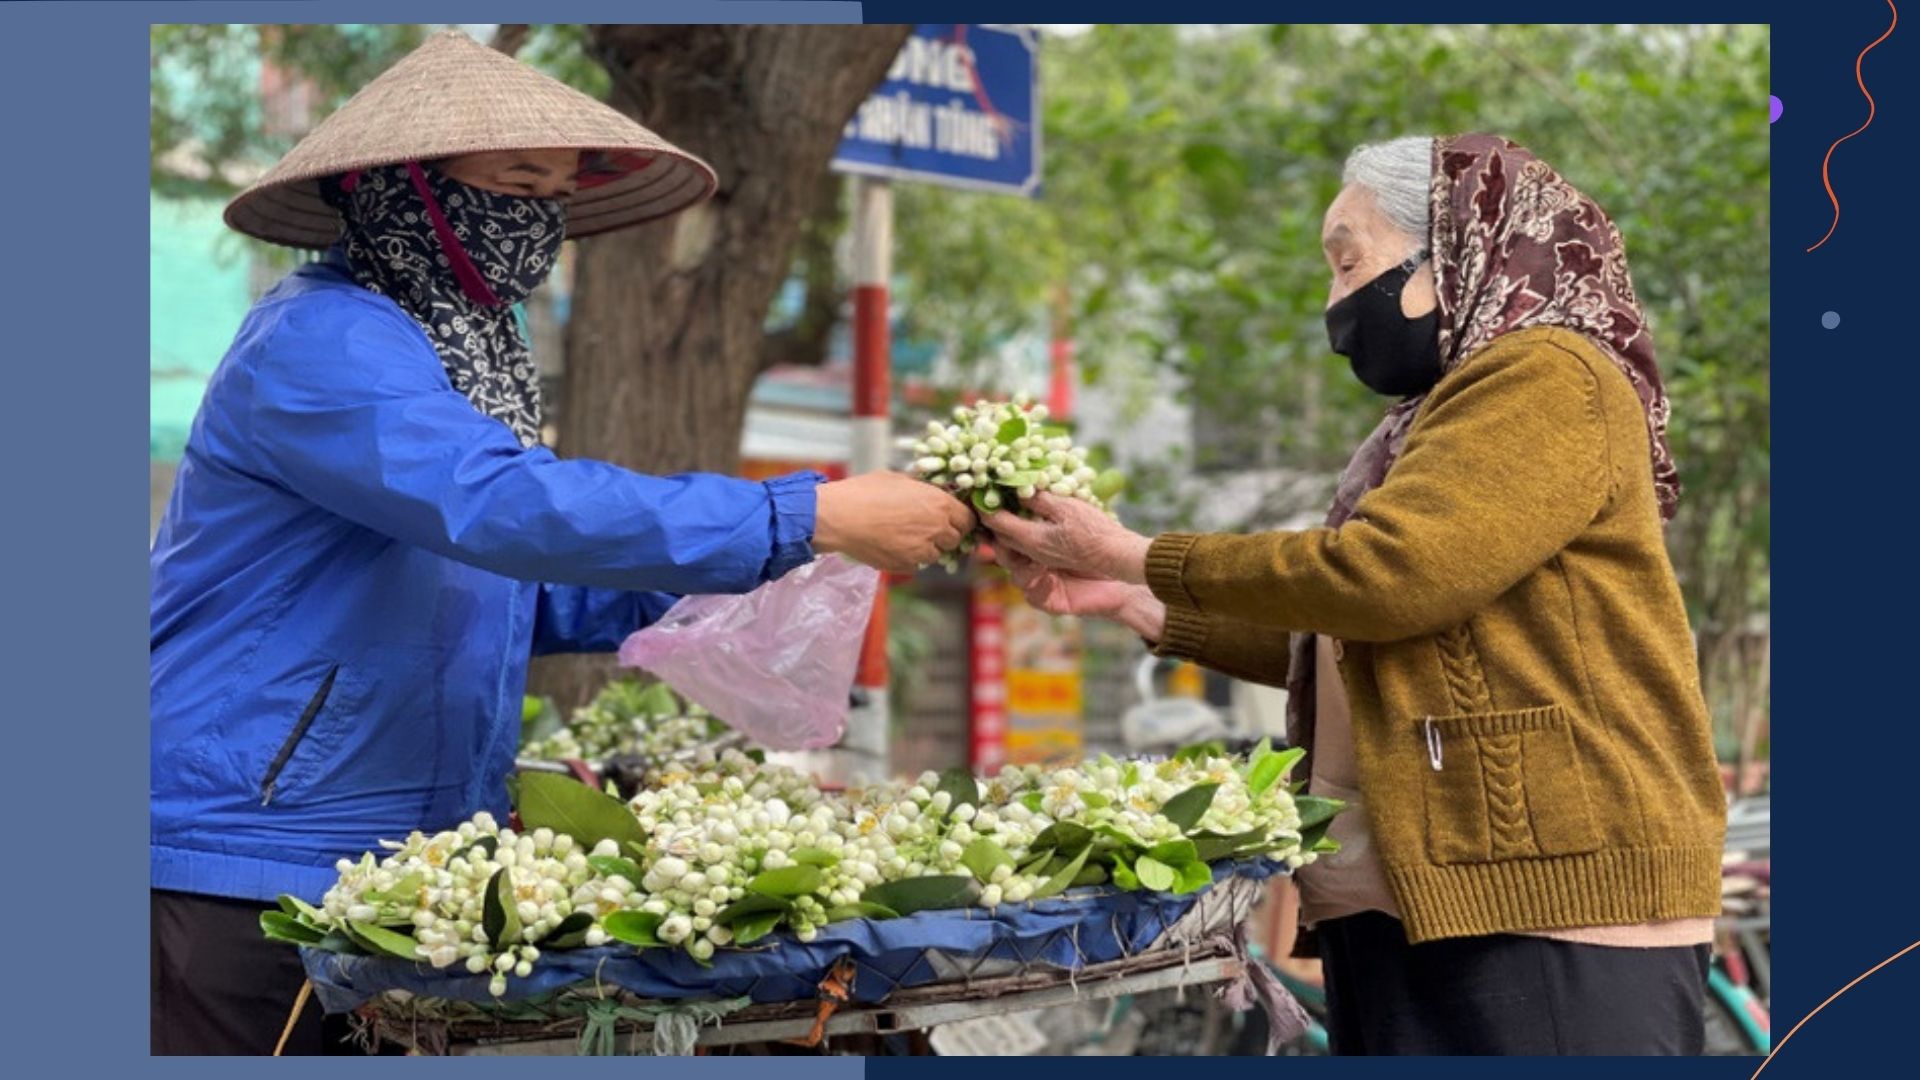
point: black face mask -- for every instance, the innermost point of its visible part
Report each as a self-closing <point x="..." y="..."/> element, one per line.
<point x="1390" y="353"/>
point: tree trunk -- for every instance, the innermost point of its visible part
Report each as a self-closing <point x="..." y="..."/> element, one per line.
<point x="666" y="334"/>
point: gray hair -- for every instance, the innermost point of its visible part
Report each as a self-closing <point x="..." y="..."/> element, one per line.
<point x="1399" y="172"/>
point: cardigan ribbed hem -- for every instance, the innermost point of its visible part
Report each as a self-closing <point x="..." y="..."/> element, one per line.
<point x="1612" y="887"/>
<point x="1185" y="634"/>
<point x="1184" y="637"/>
<point x="1166" y="569"/>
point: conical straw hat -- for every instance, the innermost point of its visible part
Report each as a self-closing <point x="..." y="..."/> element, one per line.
<point x="451" y="96"/>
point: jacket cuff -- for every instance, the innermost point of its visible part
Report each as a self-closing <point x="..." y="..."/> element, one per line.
<point x="795" y="500"/>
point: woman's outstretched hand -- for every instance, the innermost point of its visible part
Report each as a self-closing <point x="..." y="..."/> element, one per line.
<point x="1072" y="536"/>
<point x="1059" y="592"/>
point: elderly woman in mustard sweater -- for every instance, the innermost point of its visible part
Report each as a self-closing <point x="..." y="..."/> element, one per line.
<point x="1486" y="647"/>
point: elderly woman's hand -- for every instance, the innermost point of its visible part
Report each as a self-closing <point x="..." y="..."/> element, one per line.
<point x="1072" y="536"/>
<point x="1058" y="592"/>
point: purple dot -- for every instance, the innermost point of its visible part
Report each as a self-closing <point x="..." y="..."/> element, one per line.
<point x="1773" y="108"/>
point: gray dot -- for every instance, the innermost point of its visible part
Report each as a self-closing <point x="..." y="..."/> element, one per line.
<point x="1830" y="320"/>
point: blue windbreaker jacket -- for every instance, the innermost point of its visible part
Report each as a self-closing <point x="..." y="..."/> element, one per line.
<point x="353" y="572"/>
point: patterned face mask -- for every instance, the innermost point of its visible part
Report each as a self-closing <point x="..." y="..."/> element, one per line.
<point x="456" y="258"/>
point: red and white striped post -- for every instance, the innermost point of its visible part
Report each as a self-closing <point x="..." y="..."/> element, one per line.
<point x="867" y="734"/>
<point x="1060" y="355"/>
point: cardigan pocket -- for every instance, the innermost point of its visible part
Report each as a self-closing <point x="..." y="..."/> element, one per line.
<point x="1505" y="785"/>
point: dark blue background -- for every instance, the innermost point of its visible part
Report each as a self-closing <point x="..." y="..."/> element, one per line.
<point x="1845" y="742"/>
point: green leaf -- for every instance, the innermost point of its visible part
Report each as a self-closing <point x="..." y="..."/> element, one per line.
<point x="1154" y="874"/>
<point x="1212" y="846"/>
<point x="1095" y="800"/>
<point x="280" y="926"/>
<point x="563" y="804"/>
<point x="1131" y="776"/>
<point x="1063" y="836"/>
<point x="1122" y="840"/>
<point x="978" y="496"/>
<point x="1311" y="836"/>
<point x="983" y="857"/>
<point x="936" y="893"/>
<point x="336" y="941"/>
<point x="813" y="856"/>
<point x="1325" y="845"/>
<point x="750" y="905"/>
<point x="960" y="786"/>
<point x="1055" y="431"/>
<point x="787" y="882"/>
<point x="637" y="928"/>
<point x="1032" y="800"/>
<point x="1193" y="877"/>
<point x="302" y="910"/>
<point x="500" y="915"/>
<point x="1187" y="808"/>
<point x="1033" y="865"/>
<point x="1201" y="751"/>
<point x="754" y="927"/>
<point x="1063" y="877"/>
<point x="1315" y="810"/>
<point x="1265" y="770"/>
<point x="1015" y="428"/>
<point x="1091" y="874"/>
<point x="1124" y="877"/>
<point x="1175" y="852"/>
<point x="656" y="701"/>
<point x="1109" y="484"/>
<point x="571" y="933"/>
<point x="861" y="909"/>
<point x="1023" y="479"/>
<point x="614" y="865"/>
<point x="383" y="941"/>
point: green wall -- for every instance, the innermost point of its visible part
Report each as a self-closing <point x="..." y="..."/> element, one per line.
<point x="198" y="293"/>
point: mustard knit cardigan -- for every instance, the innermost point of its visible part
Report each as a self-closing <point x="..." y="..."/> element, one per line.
<point x="1527" y="713"/>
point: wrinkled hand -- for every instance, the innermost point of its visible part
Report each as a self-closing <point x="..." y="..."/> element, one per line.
<point x="1058" y="592"/>
<point x="1075" y="537"/>
<point x="888" y="520"/>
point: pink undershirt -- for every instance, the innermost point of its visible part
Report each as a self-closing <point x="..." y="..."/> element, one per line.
<point x="1352" y="881"/>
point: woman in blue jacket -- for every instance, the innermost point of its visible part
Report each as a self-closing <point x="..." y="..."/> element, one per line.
<point x="366" y="542"/>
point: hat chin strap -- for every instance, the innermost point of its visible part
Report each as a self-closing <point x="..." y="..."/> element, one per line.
<point x="464" y="271"/>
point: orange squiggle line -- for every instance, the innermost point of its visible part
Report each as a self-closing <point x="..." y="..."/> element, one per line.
<point x="1858" y="61"/>
<point x="1816" y="1012"/>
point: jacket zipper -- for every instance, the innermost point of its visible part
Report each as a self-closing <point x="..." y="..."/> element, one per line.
<point x="299" y="732"/>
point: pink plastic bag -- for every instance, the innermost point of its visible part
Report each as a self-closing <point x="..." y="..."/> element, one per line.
<point x="776" y="663"/>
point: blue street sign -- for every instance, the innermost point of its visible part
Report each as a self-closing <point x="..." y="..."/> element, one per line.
<point x="960" y="107"/>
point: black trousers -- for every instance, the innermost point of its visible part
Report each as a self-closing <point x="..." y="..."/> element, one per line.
<point x="1506" y="994"/>
<point x="219" y="987"/>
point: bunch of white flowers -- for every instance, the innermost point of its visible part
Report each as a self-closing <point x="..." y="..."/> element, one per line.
<point x="997" y="454"/>
<point x="438" y="886"/>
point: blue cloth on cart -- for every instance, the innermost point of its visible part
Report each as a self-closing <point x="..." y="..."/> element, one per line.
<point x="1078" y="928"/>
